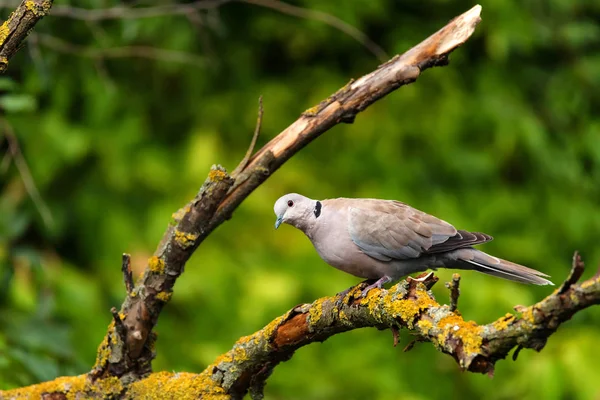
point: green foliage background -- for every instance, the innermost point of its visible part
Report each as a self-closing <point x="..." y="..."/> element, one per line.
<point x="505" y="140"/>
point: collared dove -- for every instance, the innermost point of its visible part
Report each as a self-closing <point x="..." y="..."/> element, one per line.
<point x="384" y="240"/>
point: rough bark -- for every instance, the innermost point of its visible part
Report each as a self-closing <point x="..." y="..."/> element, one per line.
<point x="16" y="28"/>
<point x="409" y="304"/>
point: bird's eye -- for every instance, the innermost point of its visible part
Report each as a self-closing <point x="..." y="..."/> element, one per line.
<point x="290" y="203"/>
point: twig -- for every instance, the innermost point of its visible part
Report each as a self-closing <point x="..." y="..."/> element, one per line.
<point x="147" y="52"/>
<point x="119" y="326"/>
<point x="577" y="269"/>
<point x="396" y="334"/>
<point x="453" y="285"/>
<point x="5" y="163"/>
<point x="328" y="19"/>
<point x="409" y="346"/>
<point x="250" y="150"/>
<point x="127" y="275"/>
<point x="121" y="12"/>
<point x="16" y="28"/>
<point x="30" y="186"/>
<point x="516" y="352"/>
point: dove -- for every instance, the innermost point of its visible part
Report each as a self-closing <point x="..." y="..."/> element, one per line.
<point x="385" y="240"/>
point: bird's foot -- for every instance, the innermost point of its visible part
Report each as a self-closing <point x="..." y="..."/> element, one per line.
<point x="378" y="284"/>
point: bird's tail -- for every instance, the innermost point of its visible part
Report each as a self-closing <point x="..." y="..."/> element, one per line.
<point x="479" y="261"/>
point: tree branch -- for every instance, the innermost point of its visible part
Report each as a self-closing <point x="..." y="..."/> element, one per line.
<point x="221" y="194"/>
<point x="16" y="28"/>
<point x="409" y="304"/>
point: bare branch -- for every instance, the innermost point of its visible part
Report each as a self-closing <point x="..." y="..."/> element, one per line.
<point x="127" y="275"/>
<point x="454" y="291"/>
<point x="250" y="150"/>
<point x="148" y="52"/>
<point x="14" y="153"/>
<point x="16" y="28"/>
<point x="328" y="19"/>
<point x="346" y="103"/>
<point x="576" y="271"/>
<point x="121" y="12"/>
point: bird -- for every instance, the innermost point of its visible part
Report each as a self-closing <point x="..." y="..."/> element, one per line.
<point x="385" y="240"/>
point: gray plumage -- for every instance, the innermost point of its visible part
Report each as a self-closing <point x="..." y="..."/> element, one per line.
<point x="386" y="240"/>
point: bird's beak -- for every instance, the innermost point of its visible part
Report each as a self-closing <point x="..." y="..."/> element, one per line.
<point x="278" y="222"/>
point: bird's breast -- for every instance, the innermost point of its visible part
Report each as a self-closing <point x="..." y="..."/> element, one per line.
<point x="335" y="246"/>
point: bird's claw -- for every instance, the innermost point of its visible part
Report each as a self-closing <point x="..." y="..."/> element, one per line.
<point x="341" y="297"/>
<point x="378" y="284"/>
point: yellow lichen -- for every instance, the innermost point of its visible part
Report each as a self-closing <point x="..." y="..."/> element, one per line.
<point x="216" y="175"/>
<point x="469" y="333"/>
<point x="527" y="315"/>
<point x="315" y="311"/>
<point x="69" y="385"/>
<point x="268" y="330"/>
<point x="185" y="240"/>
<point x="164" y="296"/>
<point x="181" y="386"/>
<point x="39" y="10"/>
<point x="424" y="325"/>
<point x="3" y="60"/>
<point x="156" y="265"/>
<point x="176" y="216"/>
<point x="178" y="385"/>
<point x="108" y="387"/>
<point x="311" y="112"/>
<point x="590" y="282"/>
<point x="4" y="31"/>
<point x="239" y="353"/>
<point x="114" y="339"/>
<point x="503" y="322"/>
<point x="408" y="309"/>
<point x="343" y="316"/>
<point x="104" y="350"/>
<point x="244" y="339"/>
<point x="226" y="357"/>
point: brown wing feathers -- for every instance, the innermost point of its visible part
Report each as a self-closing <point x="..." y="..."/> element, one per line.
<point x="461" y="240"/>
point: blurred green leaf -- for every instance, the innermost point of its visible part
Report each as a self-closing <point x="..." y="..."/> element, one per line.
<point x="15" y="103"/>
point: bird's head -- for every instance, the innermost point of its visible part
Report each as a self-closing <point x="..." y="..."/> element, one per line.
<point x="296" y="210"/>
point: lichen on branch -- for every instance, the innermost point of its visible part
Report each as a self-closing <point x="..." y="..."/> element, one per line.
<point x="408" y="304"/>
<point x="18" y="25"/>
<point x="129" y="355"/>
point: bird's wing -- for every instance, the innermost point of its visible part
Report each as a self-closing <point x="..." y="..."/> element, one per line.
<point x="387" y="230"/>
